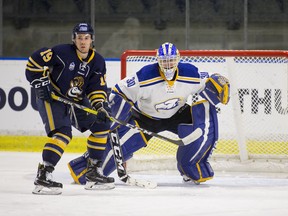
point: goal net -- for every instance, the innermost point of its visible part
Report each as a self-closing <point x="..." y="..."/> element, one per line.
<point x="253" y="127"/>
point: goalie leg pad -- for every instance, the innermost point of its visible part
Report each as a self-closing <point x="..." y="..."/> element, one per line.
<point x="199" y="172"/>
<point x="78" y="168"/>
<point x="130" y="140"/>
<point x="192" y="160"/>
<point x="188" y="133"/>
<point x="120" y="109"/>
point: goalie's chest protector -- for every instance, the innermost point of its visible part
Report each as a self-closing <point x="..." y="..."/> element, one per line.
<point x="160" y="98"/>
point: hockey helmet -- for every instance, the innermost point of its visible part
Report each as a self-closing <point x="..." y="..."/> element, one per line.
<point x="168" y="58"/>
<point x="217" y="89"/>
<point x="82" y="28"/>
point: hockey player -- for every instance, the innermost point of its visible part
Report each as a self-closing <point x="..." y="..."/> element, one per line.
<point x="77" y="72"/>
<point x="171" y="96"/>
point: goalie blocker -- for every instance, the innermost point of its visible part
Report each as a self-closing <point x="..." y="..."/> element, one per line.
<point x="192" y="160"/>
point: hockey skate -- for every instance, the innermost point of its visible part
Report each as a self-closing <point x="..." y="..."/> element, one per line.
<point x="95" y="180"/>
<point x="43" y="182"/>
<point x="186" y="179"/>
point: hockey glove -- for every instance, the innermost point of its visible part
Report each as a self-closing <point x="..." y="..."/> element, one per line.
<point x="217" y="89"/>
<point x="42" y="88"/>
<point x="103" y="109"/>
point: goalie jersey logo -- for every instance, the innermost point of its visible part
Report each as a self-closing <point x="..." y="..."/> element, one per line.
<point x="167" y="105"/>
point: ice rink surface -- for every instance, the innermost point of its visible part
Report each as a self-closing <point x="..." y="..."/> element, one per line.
<point x="238" y="194"/>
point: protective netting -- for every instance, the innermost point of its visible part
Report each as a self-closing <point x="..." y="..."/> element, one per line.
<point x="254" y="124"/>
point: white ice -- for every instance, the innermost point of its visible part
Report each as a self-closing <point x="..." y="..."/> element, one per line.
<point x="238" y="194"/>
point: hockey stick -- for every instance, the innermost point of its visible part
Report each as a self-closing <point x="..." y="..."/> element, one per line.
<point x="179" y="142"/>
<point x="121" y="170"/>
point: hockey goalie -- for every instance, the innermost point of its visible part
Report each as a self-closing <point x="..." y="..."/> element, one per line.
<point x="179" y="99"/>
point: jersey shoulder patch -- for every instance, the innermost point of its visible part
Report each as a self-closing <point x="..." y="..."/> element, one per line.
<point x="188" y="73"/>
<point x="188" y="70"/>
<point x="149" y="75"/>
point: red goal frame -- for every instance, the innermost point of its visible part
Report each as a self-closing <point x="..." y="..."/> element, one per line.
<point x="260" y="53"/>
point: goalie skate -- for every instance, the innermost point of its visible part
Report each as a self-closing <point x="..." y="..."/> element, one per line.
<point x="43" y="182"/>
<point x="189" y="180"/>
<point x="95" y="180"/>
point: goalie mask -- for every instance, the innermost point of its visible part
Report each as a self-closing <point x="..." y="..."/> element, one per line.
<point x="168" y="58"/>
<point x="217" y="89"/>
<point x="82" y="28"/>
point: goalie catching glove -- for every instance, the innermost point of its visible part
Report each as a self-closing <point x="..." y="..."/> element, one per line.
<point x="42" y="88"/>
<point x="217" y="89"/>
<point x="103" y="112"/>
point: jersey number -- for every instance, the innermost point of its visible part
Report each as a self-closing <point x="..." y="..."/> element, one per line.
<point x="46" y="55"/>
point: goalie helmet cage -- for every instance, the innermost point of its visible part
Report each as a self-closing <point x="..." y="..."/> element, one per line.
<point x="253" y="127"/>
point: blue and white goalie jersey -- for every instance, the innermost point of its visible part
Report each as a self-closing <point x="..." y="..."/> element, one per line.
<point x="154" y="96"/>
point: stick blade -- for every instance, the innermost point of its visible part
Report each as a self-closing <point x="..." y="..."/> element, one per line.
<point x="141" y="183"/>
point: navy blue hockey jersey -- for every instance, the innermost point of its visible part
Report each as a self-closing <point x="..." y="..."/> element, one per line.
<point x="70" y="75"/>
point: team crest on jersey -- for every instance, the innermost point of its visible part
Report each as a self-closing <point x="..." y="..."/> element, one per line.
<point x="167" y="105"/>
<point x="83" y="69"/>
<point x="71" y="66"/>
<point x="76" y="90"/>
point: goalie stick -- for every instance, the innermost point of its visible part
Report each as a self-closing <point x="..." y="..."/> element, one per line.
<point x="121" y="170"/>
<point x="179" y="142"/>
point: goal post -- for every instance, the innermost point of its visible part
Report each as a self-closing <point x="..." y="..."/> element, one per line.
<point x="254" y="125"/>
